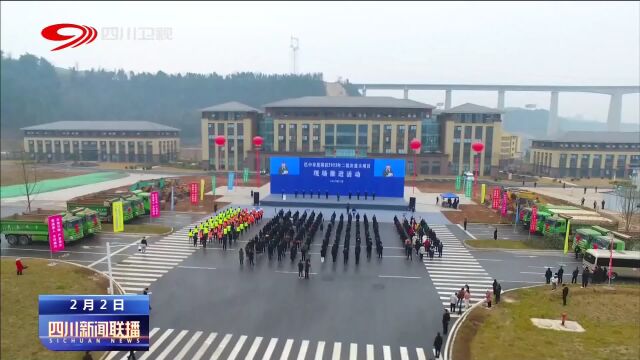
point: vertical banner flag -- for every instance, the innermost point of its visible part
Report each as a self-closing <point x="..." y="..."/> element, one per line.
<point x="56" y="233"/>
<point x="468" y="189"/>
<point x="171" y="198"/>
<point x="154" y="204"/>
<point x="118" y="217"/>
<point x="483" y="193"/>
<point x="496" y="198"/>
<point x="533" y="224"/>
<point x="193" y="193"/>
<point x="230" y="180"/>
<point x="201" y="189"/>
<point x="505" y="200"/>
<point x="566" y="237"/>
<point x="458" y="182"/>
<point x="610" y="256"/>
<point x="213" y="185"/>
<point x="245" y="175"/>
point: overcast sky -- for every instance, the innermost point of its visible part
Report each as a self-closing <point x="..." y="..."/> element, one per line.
<point x="573" y="43"/>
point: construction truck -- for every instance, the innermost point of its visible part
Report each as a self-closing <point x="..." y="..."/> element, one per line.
<point x="24" y="229"/>
<point x="90" y="219"/>
<point x="103" y="205"/>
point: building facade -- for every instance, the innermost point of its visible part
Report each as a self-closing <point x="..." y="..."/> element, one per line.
<point x="510" y="147"/>
<point x="238" y="123"/>
<point x="466" y="124"/>
<point x="374" y="127"/>
<point x="582" y="154"/>
<point x="103" y="141"/>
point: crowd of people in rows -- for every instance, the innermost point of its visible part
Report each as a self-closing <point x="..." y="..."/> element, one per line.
<point x="598" y="275"/>
<point x="225" y="227"/>
<point x="419" y="237"/>
<point x="347" y="238"/>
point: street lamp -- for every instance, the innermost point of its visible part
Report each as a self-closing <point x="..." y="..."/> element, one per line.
<point x="415" y="145"/>
<point x="477" y="148"/>
<point x="257" y="142"/>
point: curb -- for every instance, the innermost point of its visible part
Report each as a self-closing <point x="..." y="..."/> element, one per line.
<point x="448" y="346"/>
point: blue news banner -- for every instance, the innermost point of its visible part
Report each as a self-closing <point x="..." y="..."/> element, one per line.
<point x="94" y="322"/>
<point x="383" y="177"/>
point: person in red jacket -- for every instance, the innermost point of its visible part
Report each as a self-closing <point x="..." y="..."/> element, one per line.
<point x="19" y="266"/>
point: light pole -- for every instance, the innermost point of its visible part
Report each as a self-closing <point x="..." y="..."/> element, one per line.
<point x="415" y="145"/>
<point x="257" y="142"/>
<point x="477" y="147"/>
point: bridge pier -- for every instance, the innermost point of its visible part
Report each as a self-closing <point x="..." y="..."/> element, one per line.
<point x="553" y="125"/>
<point x="447" y="99"/>
<point x="500" y="99"/>
<point x="364" y="91"/>
<point x="406" y="93"/>
<point x="615" y="112"/>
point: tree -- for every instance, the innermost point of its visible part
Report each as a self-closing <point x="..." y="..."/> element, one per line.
<point x="29" y="187"/>
<point x="629" y="203"/>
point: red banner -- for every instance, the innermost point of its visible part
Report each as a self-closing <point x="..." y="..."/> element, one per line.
<point x="195" y="193"/>
<point x="56" y="233"/>
<point x="154" y="204"/>
<point x="496" y="198"/>
<point x="534" y="220"/>
<point x="505" y="200"/>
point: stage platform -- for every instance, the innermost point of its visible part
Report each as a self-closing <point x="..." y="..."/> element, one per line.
<point x="380" y="203"/>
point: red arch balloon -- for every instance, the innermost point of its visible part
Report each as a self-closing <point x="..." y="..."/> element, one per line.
<point x="258" y="140"/>
<point x="415" y="144"/>
<point x="220" y="140"/>
<point x="477" y="147"/>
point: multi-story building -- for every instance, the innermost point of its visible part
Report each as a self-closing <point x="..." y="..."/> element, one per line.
<point x="113" y="141"/>
<point x="238" y="123"/>
<point x="510" y="146"/>
<point x="377" y="127"/>
<point x="466" y="124"/>
<point x="581" y="154"/>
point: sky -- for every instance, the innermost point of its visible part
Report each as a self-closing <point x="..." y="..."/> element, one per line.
<point x="527" y="43"/>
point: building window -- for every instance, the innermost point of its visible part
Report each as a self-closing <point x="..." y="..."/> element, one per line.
<point x="375" y="138"/>
<point x="329" y="136"/>
<point x="362" y="134"/>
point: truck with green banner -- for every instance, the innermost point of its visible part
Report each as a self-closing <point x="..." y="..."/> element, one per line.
<point x="597" y="237"/>
<point x="144" y="196"/>
<point x="103" y="205"/>
<point x="24" y="229"/>
<point x="525" y="219"/>
<point x="90" y="219"/>
<point x="137" y="203"/>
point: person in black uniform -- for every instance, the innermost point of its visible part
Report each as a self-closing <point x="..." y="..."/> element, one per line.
<point x="358" y="195"/>
<point x="334" y="251"/>
<point x="357" y="253"/>
<point x="307" y="268"/>
<point x="338" y="196"/>
<point x="345" y="254"/>
<point x="374" y="196"/>
<point x="366" y="194"/>
<point x="296" y="192"/>
<point x="349" y="195"/>
<point x="326" y="195"/>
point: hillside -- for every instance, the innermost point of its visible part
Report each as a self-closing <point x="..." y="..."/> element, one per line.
<point x="34" y="92"/>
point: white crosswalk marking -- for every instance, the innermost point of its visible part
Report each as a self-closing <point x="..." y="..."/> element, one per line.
<point x="221" y="346"/>
<point x="170" y="344"/>
<point x="188" y="346"/>
<point x="254" y="348"/>
<point x="454" y="269"/>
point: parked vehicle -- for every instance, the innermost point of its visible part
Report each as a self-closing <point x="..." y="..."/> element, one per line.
<point x="625" y="263"/>
<point x="90" y="219"/>
<point x="23" y="229"/>
<point x="103" y="205"/>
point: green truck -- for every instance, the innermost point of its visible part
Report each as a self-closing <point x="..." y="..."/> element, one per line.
<point x="137" y="203"/>
<point x="144" y="196"/>
<point x="90" y="220"/>
<point x="556" y="225"/>
<point x="586" y="238"/>
<point x="103" y="205"/>
<point x="525" y="217"/>
<point x="23" y="229"/>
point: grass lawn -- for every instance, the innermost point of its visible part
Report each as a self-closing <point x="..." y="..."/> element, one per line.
<point x="139" y="228"/>
<point x="498" y="244"/>
<point x="19" y="310"/>
<point x="611" y="319"/>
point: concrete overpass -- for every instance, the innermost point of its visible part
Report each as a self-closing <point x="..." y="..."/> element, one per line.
<point x="615" y="103"/>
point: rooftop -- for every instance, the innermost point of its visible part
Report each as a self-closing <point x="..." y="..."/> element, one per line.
<point x="231" y="106"/>
<point x="596" y="137"/>
<point x="469" y="108"/>
<point x="100" y="125"/>
<point x="349" y="102"/>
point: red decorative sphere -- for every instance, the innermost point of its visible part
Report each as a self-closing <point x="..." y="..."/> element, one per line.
<point x="258" y="140"/>
<point x="220" y="140"/>
<point x="415" y="144"/>
<point x="477" y="147"/>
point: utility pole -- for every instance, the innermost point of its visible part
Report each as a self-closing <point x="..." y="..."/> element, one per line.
<point x="294" y="45"/>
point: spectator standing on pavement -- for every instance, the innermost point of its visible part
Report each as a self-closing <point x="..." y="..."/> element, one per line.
<point x="87" y="356"/>
<point x="565" y="293"/>
<point x="498" y="293"/>
<point x="488" y="298"/>
<point x="595" y="205"/>
<point x="460" y="300"/>
<point x="547" y="275"/>
<point x="582" y="202"/>
<point x="465" y="224"/>
<point x="300" y="269"/>
<point x="494" y="285"/>
<point x="554" y="282"/>
<point x="585" y="277"/>
<point x="437" y="345"/>
<point x="437" y="200"/>
<point x="453" y="301"/>
<point x="495" y="234"/>
<point x="560" y="273"/>
<point x="446" y="317"/>
<point x="147" y="292"/>
<point x="144" y="244"/>
<point x="467" y="298"/>
<point x="241" y="256"/>
<point x="131" y="356"/>
<point x="440" y="246"/>
<point x="585" y="190"/>
<point x="602" y="208"/>
<point x="574" y="276"/>
<point x="19" y="266"/>
<point x="307" y="268"/>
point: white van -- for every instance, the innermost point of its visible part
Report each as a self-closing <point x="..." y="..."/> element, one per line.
<point x="625" y="263"/>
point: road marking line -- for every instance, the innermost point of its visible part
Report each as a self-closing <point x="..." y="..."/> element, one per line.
<point x="420" y="353"/>
<point x="156" y="344"/>
<point x="133" y="273"/>
<point x="221" y="347"/>
<point x="399" y="277"/>
<point x="188" y="345"/>
<point x="286" y="350"/>
<point x="151" y="262"/>
<point x="172" y="345"/>
<point x="319" y="350"/>
<point x="404" y="355"/>
<point x="303" y="349"/>
<point x="336" y="351"/>
<point x="205" y="345"/>
<point x="154" y="267"/>
<point x="387" y="352"/>
<point x="254" y="348"/>
<point x="460" y="276"/>
<point x="468" y="233"/>
<point x="353" y="351"/>
<point x="270" y="348"/>
<point x="237" y="347"/>
<point x="158" y="272"/>
<point x="161" y="256"/>
<point x="197" y="267"/>
<point x="113" y="253"/>
<point x="370" y="353"/>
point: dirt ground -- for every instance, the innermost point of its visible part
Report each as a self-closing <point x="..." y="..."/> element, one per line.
<point x="11" y="172"/>
<point x="434" y="187"/>
<point x="476" y="214"/>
